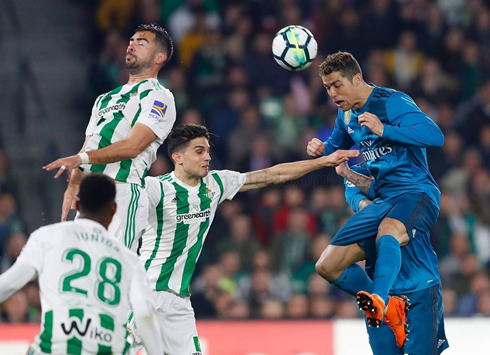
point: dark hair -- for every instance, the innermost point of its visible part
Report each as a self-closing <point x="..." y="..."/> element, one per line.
<point x="180" y="136"/>
<point x="96" y="193"/>
<point x="343" y="62"/>
<point x="162" y="37"/>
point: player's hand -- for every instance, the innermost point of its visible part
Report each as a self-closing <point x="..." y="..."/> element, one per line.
<point x="69" y="199"/>
<point x="341" y="169"/>
<point x="315" y="148"/>
<point x="372" y="122"/>
<point x="339" y="156"/>
<point x="63" y="164"/>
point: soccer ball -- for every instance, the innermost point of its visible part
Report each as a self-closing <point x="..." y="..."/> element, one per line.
<point x="294" y="48"/>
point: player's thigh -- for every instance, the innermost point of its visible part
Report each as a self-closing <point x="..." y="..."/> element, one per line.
<point x="131" y="215"/>
<point x="426" y="323"/>
<point x="382" y="340"/>
<point x="416" y="211"/>
<point x="336" y="258"/>
<point x="177" y="322"/>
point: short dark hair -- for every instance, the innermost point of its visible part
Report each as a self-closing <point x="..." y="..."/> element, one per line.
<point x="97" y="192"/>
<point x="162" y="37"/>
<point x="180" y="137"/>
<point x="343" y="62"/>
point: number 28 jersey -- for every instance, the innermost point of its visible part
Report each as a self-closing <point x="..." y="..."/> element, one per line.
<point x="85" y="277"/>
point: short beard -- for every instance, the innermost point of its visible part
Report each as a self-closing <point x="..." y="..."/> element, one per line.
<point x="137" y="68"/>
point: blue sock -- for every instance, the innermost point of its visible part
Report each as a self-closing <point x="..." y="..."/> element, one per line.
<point x="387" y="265"/>
<point x="353" y="280"/>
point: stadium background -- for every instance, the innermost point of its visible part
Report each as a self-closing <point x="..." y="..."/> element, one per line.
<point x="258" y="261"/>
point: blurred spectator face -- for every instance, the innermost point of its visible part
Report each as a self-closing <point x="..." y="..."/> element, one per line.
<point x="319" y="244"/>
<point x="347" y="309"/>
<point x="229" y="209"/>
<point x="294" y="196"/>
<point x="7" y="206"/>
<point x="241" y="228"/>
<point x="261" y="282"/>
<point x="212" y="274"/>
<point x="214" y="39"/>
<point x="33" y="296"/>
<point x="239" y="310"/>
<point x="431" y="70"/>
<point x="160" y="166"/>
<point x="454" y="39"/>
<point x="349" y="19"/>
<point x="271" y="198"/>
<point x="177" y="79"/>
<point x="262" y="260"/>
<point x="377" y="76"/>
<point x="250" y="119"/>
<point x="407" y="41"/>
<point x="472" y="161"/>
<point x="230" y="263"/>
<point x="337" y="197"/>
<point x="297" y="306"/>
<point x="262" y="44"/>
<point x="149" y="11"/>
<point x="317" y="286"/>
<point x="483" y="20"/>
<point x="452" y="145"/>
<point x="481" y="182"/>
<point x="459" y="245"/>
<point x="260" y="146"/>
<point x="446" y="116"/>
<point x="16" y="308"/>
<point x="471" y="53"/>
<point x="483" y="304"/>
<point x="237" y="77"/>
<point x="192" y="116"/>
<point x="485" y="137"/>
<point x="15" y="244"/>
<point x="447" y="204"/>
<point x="435" y="16"/>
<point x="449" y="300"/>
<point x="484" y="92"/>
<point x="291" y="14"/>
<point x="238" y="99"/>
<point x="272" y="309"/>
<point x="321" y="307"/>
<point x="298" y="220"/>
<point x="480" y="283"/>
<point x="320" y="198"/>
<point x="223" y="303"/>
<point x="470" y="265"/>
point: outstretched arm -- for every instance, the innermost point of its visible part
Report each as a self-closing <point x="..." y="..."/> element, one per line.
<point x="15" y="278"/>
<point x="290" y="171"/>
<point x="139" y="138"/>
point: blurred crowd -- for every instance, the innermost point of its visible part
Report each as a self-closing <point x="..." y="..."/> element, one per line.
<point x="258" y="260"/>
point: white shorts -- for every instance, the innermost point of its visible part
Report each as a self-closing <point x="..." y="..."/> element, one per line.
<point x="129" y="222"/>
<point x="177" y="322"/>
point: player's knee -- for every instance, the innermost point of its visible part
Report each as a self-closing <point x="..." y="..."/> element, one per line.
<point x="324" y="270"/>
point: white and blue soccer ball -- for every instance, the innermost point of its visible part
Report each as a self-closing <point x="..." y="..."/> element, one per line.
<point x="294" y="48"/>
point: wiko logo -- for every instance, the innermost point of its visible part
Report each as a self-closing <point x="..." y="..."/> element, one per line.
<point x="74" y="325"/>
<point x="99" y="334"/>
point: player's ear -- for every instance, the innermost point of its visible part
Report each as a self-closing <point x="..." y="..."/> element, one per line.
<point x="177" y="158"/>
<point x="161" y="58"/>
<point x="77" y="205"/>
<point x="113" y="208"/>
<point x="357" y="79"/>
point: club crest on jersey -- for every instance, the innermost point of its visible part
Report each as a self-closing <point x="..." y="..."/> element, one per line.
<point x="347" y="117"/>
<point x="209" y="194"/>
<point x="158" y="110"/>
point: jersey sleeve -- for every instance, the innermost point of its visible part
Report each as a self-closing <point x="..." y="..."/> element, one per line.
<point x="339" y="139"/>
<point x="409" y="124"/>
<point x="92" y="123"/>
<point x="153" y="191"/>
<point x="230" y="182"/>
<point x="158" y="113"/>
<point x="33" y="252"/>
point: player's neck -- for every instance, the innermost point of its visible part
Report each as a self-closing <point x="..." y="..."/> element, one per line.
<point x="364" y="94"/>
<point x="138" y="78"/>
<point x="105" y="221"/>
<point x="186" y="178"/>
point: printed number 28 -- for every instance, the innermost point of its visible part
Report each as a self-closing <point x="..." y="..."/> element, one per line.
<point x="103" y="279"/>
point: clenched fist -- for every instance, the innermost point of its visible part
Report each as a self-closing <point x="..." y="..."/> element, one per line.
<point x="315" y="148"/>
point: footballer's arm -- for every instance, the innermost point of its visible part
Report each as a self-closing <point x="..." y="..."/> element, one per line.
<point x="290" y="171"/>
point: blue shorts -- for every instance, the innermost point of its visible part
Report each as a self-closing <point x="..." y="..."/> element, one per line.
<point x="414" y="209"/>
<point x="425" y="323"/>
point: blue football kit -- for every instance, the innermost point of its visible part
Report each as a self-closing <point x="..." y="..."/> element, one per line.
<point x="418" y="279"/>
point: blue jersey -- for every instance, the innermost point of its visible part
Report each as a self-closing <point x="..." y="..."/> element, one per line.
<point x="397" y="160"/>
<point x="419" y="269"/>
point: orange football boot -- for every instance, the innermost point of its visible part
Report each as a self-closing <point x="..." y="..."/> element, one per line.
<point x="373" y="306"/>
<point x="396" y="318"/>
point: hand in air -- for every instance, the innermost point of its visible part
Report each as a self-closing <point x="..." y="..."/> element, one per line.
<point x="340" y="156"/>
<point x="372" y="122"/>
<point x="315" y="148"/>
<point x="63" y="164"/>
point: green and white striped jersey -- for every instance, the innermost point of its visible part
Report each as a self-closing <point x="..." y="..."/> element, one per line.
<point x="116" y="112"/>
<point x="179" y="217"/>
<point x="88" y="280"/>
